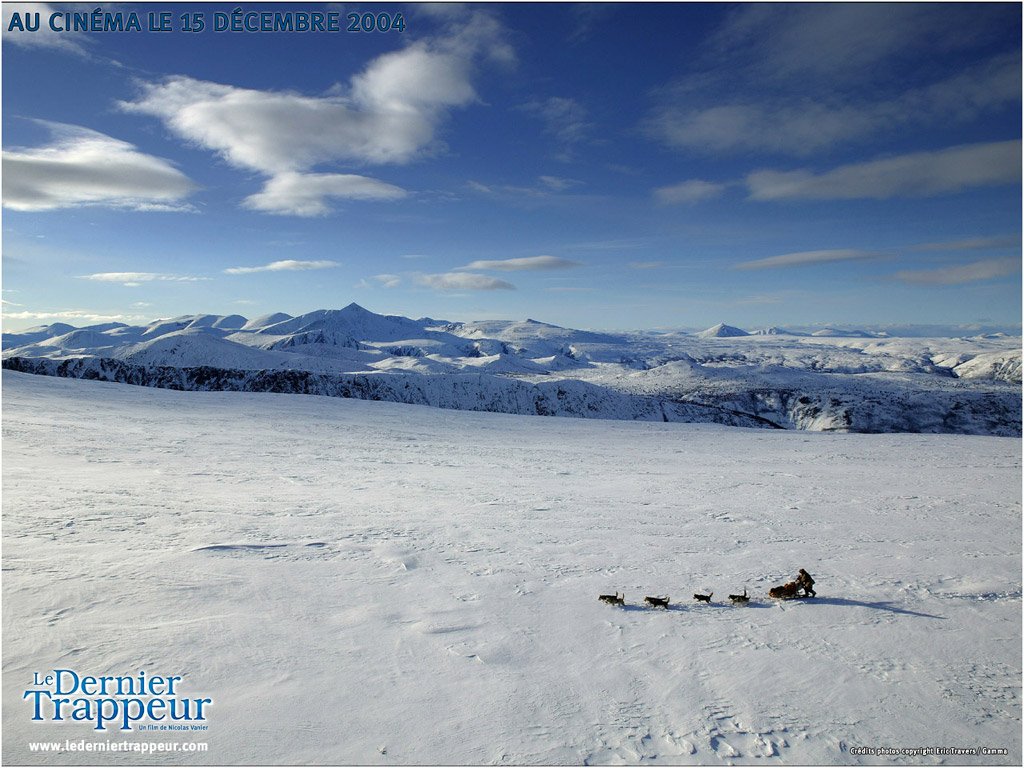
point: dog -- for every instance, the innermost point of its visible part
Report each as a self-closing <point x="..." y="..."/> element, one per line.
<point x="740" y="598"/>
<point x="657" y="602"/>
<point x="703" y="598"/>
<point x="612" y="599"/>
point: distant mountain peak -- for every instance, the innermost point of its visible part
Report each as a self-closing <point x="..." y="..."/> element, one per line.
<point x="776" y="331"/>
<point x="354" y="309"/>
<point x="843" y="333"/>
<point x="722" y="331"/>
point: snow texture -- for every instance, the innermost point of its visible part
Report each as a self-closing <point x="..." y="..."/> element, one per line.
<point x="360" y="582"/>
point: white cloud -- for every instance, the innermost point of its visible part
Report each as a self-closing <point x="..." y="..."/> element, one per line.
<point x="463" y="281"/>
<point x="305" y="194"/>
<point x="919" y="174"/>
<point x="986" y="269"/>
<point x="804" y="258"/>
<point x="135" y="279"/>
<point x="692" y="191"/>
<point x="285" y="265"/>
<point x="526" y="263"/>
<point x="390" y="113"/>
<point x="43" y="37"/>
<point x="388" y="281"/>
<point x="84" y="167"/>
<point x="70" y="314"/>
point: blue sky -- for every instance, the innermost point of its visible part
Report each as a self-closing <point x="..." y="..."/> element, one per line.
<point x="590" y="165"/>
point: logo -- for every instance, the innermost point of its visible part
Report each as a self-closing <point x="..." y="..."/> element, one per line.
<point x="151" y="702"/>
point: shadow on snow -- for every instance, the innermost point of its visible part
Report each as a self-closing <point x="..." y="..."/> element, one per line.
<point x="878" y="606"/>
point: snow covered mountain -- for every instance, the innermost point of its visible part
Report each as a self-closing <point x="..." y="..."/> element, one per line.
<point x="722" y="331"/>
<point x="851" y="382"/>
<point x="776" y="331"/>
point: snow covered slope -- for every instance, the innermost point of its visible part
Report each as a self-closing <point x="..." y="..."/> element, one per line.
<point x="368" y="583"/>
<point x="850" y="382"/>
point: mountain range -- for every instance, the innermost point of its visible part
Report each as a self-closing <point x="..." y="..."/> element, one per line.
<point x="770" y="378"/>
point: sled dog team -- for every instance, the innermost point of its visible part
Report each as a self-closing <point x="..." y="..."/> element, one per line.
<point x="790" y="589"/>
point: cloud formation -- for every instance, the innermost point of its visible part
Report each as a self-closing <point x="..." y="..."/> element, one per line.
<point x="390" y="113"/>
<point x="987" y="269"/>
<point x="919" y="174"/>
<point x="834" y="44"/>
<point x="135" y="279"/>
<point x="87" y="168"/>
<point x="692" y="191"/>
<point x="285" y="265"/>
<point x="44" y="37"/>
<point x="305" y="194"/>
<point x="463" y="281"/>
<point x="545" y="188"/>
<point x="804" y="78"/>
<point x="805" y="258"/>
<point x="971" y="244"/>
<point x="388" y="280"/>
<point x="525" y="263"/>
<point x="71" y="314"/>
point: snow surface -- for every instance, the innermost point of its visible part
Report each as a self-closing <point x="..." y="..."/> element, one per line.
<point x="361" y="582"/>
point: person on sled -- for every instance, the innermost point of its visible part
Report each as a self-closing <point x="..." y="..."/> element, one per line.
<point x="805" y="582"/>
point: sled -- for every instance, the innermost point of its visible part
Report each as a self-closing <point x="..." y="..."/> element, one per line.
<point x="789" y="591"/>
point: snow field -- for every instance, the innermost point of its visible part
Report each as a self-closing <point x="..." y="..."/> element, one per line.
<point x="371" y="583"/>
